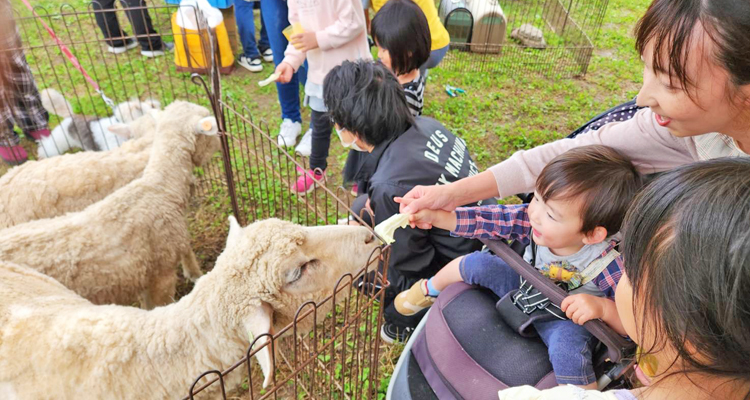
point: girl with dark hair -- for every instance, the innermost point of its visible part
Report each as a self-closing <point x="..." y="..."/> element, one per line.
<point x="696" y="90"/>
<point x="684" y="296"/>
<point x="439" y="37"/>
<point x="401" y="32"/>
<point x="402" y="35"/>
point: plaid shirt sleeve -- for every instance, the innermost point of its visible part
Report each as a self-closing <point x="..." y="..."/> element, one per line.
<point x="607" y="280"/>
<point x="21" y="104"/>
<point x="504" y="221"/>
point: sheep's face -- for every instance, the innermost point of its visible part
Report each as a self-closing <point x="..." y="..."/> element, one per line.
<point x="295" y="264"/>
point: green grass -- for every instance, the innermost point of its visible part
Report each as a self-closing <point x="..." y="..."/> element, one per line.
<point x="502" y="112"/>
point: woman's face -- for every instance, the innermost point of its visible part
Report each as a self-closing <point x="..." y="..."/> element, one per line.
<point x="624" y="303"/>
<point x="713" y="109"/>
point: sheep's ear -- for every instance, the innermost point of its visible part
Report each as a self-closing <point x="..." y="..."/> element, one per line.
<point x="121" y="130"/>
<point x="259" y="323"/>
<point x="234" y="231"/>
<point x="208" y="126"/>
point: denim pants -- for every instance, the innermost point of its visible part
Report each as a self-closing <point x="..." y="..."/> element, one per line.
<point x="275" y="18"/>
<point x="570" y="346"/>
<point x="243" y="14"/>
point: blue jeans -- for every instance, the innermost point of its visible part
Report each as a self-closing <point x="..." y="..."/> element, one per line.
<point x="570" y="346"/>
<point x="436" y="56"/>
<point x="275" y="17"/>
<point x="243" y="14"/>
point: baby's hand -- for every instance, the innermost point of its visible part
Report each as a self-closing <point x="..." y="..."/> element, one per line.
<point x="427" y="219"/>
<point x="582" y="307"/>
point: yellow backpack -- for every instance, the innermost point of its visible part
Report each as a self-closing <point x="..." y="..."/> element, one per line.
<point x="191" y="45"/>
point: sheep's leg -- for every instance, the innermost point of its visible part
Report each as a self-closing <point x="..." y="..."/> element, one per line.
<point x="190" y="267"/>
<point x="144" y="299"/>
<point x="161" y="290"/>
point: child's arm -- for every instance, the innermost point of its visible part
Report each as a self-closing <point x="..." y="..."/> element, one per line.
<point x="293" y="58"/>
<point x="584" y="307"/>
<point x="503" y="221"/>
<point x="349" y="24"/>
<point x="426" y="219"/>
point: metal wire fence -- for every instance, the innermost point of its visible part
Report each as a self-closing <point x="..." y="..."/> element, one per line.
<point x="553" y="37"/>
<point x="331" y="349"/>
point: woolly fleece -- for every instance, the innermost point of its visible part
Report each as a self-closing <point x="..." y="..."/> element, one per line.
<point x="56" y="345"/>
<point x="124" y="248"/>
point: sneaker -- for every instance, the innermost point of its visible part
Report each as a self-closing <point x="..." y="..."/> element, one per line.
<point x="414" y="300"/>
<point x="307" y="182"/>
<point x="267" y="55"/>
<point x="165" y="47"/>
<point x="39" y="134"/>
<point x="304" y="148"/>
<point x="129" y="44"/>
<point x="251" y="64"/>
<point x="355" y="190"/>
<point x="288" y="132"/>
<point x="13" y="155"/>
<point x="392" y="333"/>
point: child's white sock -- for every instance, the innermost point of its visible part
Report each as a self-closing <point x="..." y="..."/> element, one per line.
<point x="431" y="291"/>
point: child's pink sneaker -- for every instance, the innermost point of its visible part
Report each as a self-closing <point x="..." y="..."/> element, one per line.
<point x="355" y="190"/>
<point x="307" y="182"/>
<point x="13" y="155"/>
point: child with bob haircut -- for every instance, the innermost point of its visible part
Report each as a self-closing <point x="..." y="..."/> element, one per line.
<point x="684" y="295"/>
<point x="401" y="32"/>
<point x="580" y="201"/>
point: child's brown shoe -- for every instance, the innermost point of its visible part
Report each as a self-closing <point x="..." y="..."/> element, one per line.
<point x="414" y="300"/>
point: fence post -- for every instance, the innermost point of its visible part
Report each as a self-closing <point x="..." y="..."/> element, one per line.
<point x="214" y="94"/>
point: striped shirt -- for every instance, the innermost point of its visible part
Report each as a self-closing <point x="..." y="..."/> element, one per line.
<point x="511" y="222"/>
<point x="414" y="92"/>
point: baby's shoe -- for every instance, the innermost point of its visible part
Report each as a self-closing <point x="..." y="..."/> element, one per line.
<point x="414" y="300"/>
<point x="307" y="182"/>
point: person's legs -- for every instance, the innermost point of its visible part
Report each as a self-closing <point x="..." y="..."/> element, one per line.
<point x="321" y="140"/>
<point x="570" y="349"/>
<point x="478" y="268"/>
<point x="263" y="43"/>
<point x="436" y="56"/>
<point x="275" y="17"/>
<point x="140" y="19"/>
<point x="108" y="24"/>
<point x="243" y="11"/>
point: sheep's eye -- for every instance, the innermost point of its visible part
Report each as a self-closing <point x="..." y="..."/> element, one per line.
<point x="297" y="273"/>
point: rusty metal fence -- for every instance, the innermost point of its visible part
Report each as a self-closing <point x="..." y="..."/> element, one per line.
<point x="553" y="37"/>
<point x="331" y="349"/>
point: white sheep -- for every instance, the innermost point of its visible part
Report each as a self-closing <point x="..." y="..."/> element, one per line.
<point x="88" y="133"/>
<point x="57" y="345"/>
<point x="59" y="185"/>
<point x="125" y="247"/>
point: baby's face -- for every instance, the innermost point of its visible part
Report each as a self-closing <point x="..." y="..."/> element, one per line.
<point x="556" y="224"/>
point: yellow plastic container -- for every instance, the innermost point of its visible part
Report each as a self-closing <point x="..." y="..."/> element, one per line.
<point x="191" y="46"/>
<point x="292" y="30"/>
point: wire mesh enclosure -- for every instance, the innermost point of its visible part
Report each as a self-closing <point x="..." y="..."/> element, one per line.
<point x="331" y="349"/>
<point x="554" y="37"/>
